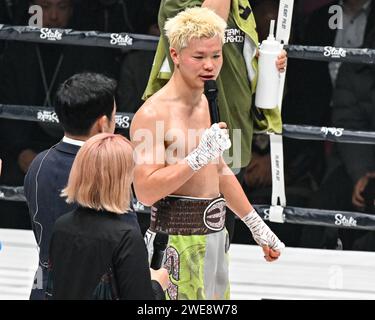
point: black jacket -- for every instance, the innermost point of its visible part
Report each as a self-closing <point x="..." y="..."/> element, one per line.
<point x="86" y="243"/>
<point x="47" y="176"/>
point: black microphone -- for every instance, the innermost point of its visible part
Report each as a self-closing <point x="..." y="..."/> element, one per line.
<point x="160" y="244"/>
<point x="210" y="91"/>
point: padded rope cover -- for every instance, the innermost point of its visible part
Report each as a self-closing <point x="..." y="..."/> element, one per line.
<point x="44" y="114"/>
<point x="125" y="41"/>
<point x="364" y="56"/>
<point x="327" y="218"/>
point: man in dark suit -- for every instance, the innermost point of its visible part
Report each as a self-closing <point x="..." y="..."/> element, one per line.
<point x="85" y="106"/>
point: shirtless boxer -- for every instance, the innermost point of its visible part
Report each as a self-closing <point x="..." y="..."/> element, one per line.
<point x="182" y="174"/>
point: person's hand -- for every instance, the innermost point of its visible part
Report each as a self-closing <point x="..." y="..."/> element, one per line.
<point x="258" y="173"/>
<point x="25" y="158"/>
<point x="357" y="198"/>
<point x="263" y="236"/>
<point x="270" y="254"/>
<point x="213" y="143"/>
<point x="160" y="276"/>
<point x="281" y="61"/>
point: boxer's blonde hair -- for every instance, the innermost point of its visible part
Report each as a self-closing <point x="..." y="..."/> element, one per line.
<point x="102" y="174"/>
<point x="197" y="22"/>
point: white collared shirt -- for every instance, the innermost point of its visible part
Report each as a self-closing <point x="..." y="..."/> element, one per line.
<point x="75" y="142"/>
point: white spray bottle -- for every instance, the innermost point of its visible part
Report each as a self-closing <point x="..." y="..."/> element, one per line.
<point x="267" y="92"/>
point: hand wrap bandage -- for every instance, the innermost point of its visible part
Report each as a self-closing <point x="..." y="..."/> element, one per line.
<point x="262" y="234"/>
<point x="213" y="143"/>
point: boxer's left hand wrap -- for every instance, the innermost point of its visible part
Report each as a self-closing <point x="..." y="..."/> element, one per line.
<point x="213" y="143"/>
<point x="262" y="234"/>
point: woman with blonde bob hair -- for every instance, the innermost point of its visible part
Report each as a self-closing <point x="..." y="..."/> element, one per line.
<point x="95" y="253"/>
<point x="102" y="174"/>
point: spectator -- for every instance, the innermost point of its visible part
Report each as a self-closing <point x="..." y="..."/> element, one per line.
<point x="94" y="244"/>
<point x="85" y="106"/>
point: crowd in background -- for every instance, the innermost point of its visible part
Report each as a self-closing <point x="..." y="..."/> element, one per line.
<point x="318" y="174"/>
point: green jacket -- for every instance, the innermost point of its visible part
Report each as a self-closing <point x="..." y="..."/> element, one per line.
<point x="236" y="82"/>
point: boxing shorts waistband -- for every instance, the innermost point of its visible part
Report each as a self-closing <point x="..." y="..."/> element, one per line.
<point x="179" y="215"/>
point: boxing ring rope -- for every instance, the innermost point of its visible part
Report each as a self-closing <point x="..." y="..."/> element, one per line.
<point x="293" y="215"/>
<point x="124" y="41"/>
<point x="331" y="54"/>
<point x="129" y="41"/>
<point x="47" y="114"/>
<point x="123" y="121"/>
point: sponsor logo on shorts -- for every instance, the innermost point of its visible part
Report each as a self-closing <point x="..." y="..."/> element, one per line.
<point x="51" y="35"/>
<point x="214" y="215"/>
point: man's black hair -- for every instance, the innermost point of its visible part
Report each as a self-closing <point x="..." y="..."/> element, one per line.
<point x="82" y="99"/>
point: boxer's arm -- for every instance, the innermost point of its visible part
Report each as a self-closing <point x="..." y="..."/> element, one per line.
<point x="232" y="191"/>
<point x="152" y="179"/>
<point x="240" y="205"/>
<point x="221" y="7"/>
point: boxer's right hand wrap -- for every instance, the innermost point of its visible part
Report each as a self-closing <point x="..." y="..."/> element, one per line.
<point x="213" y="143"/>
<point x="262" y="234"/>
